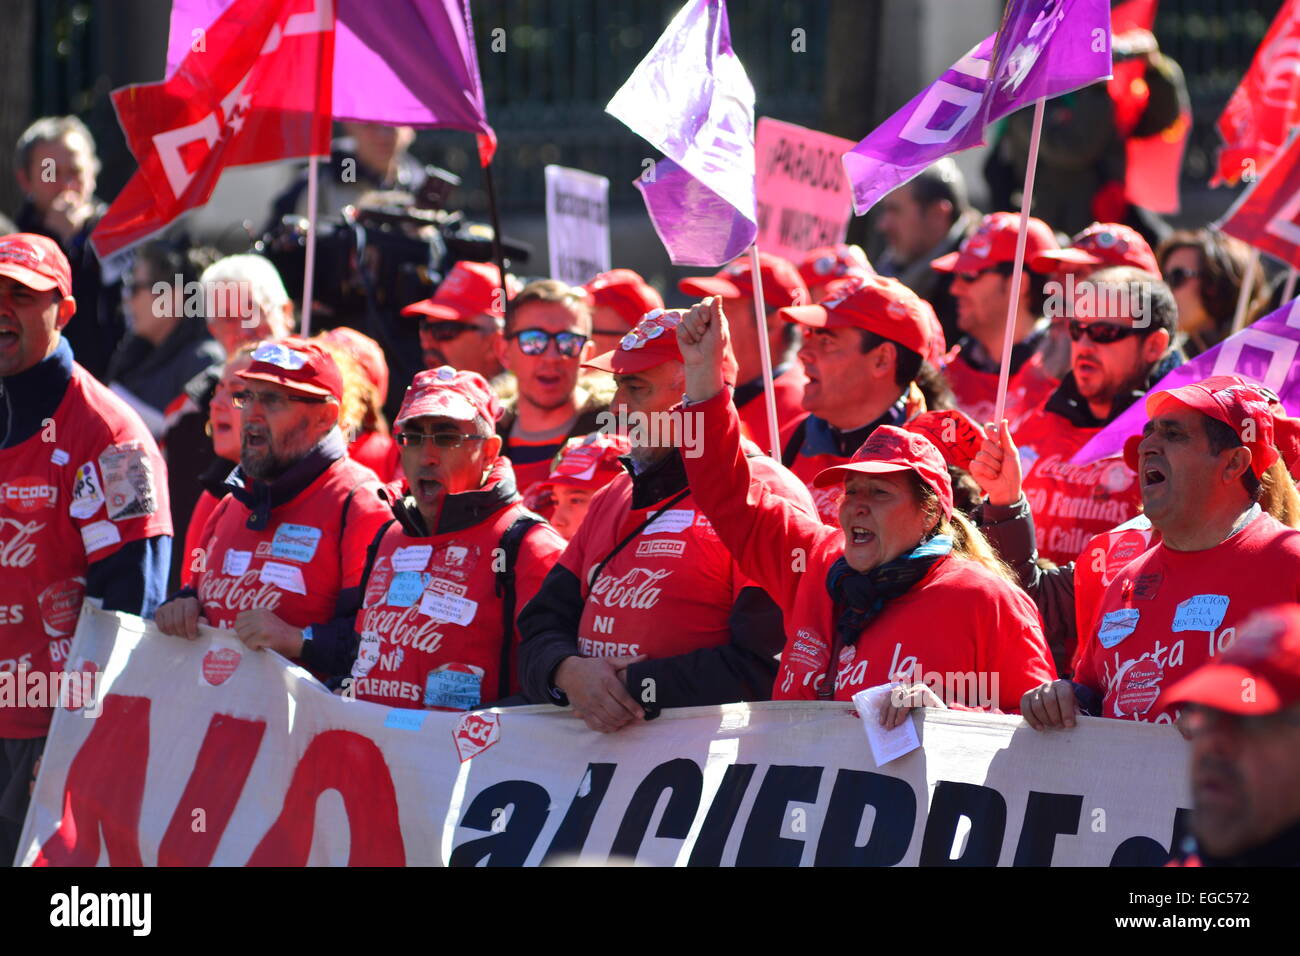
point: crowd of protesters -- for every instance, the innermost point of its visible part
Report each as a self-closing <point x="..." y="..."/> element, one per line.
<point x="575" y="504"/>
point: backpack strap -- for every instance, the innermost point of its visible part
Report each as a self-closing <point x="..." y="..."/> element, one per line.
<point x="510" y="543"/>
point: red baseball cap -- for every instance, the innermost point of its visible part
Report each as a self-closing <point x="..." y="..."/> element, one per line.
<point x="626" y="293"/>
<point x="297" y="364"/>
<point x="470" y="289"/>
<point x="590" y="461"/>
<point x="888" y="450"/>
<point x="446" y="392"/>
<point x="366" y="351"/>
<point x="884" y="306"/>
<point x="1101" y="244"/>
<point x="995" y="241"/>
<point x="652" y="342"/>
<point x="782" y="285"/>
<point x="1258" y="674"/>
<point x="35" y="261"/>
<point x="833" y="262"/>
<point x="953" y="432"/>
<point x="1245" y="407"/>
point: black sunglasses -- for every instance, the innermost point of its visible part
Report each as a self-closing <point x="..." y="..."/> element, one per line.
<point x="1176" y="277"/>
<point x="446" y="331"/>
<point x="1103" y="333"/>
<point x="536" y="341"/>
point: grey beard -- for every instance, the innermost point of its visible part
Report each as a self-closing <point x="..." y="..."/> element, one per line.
<point x="643" y="456"/>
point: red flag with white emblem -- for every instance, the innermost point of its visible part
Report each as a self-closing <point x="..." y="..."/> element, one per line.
<point x="1268" y="214"/>
<point x="254" y="88"/>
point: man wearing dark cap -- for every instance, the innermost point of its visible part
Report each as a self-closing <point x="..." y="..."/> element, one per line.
<point x="1201" y="463"/>
<point x="83" y="503"/>
<point x="282" y="549"/>
<point x="1241" y="712"/>
<point x="461" y="324"/>
<point x="863" y="346"/>
<point x="646" y="608"/>
<point x="782" y="286"/>
<point x="981" y="271"/>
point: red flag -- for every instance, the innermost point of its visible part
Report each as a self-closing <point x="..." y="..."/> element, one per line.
<point x="1268" y="214"/>
<point x="1266" y="106"/>
<point x="255" y="87"/>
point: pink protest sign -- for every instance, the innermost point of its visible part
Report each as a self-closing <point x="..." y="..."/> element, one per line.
<point x="804" y="200"/>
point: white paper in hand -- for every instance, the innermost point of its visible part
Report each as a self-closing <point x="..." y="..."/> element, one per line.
<point x="886" y="745"/>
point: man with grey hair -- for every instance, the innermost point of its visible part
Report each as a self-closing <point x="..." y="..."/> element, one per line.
<point x="56" y="167"/>
<point x="921" y="220"/>
<point x="245" y="301"/>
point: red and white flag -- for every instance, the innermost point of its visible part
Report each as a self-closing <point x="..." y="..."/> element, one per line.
<point x="1268" y="214"/>
<point x="1266" y="105"/>
<point x="254" y="88"/>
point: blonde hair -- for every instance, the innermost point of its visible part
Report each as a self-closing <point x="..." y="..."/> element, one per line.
<point x="360" y="398"/>
<point x="1278" y="494"/>
<point x="967" y="540"/>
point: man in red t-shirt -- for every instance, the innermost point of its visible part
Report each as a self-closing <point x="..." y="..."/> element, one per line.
<point x="84" y="511"/>
<point x="646" y="608"/>
<point x="1121" y="326"/>
<point x="1178" y="604"/>
<point x="782" y="286"/>
<point x="982" y="269"/>
<point x="282" y="549"/>
<point x="863" y="347"/>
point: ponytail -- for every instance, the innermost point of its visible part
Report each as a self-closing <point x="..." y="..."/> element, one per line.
<point x="1278" y="495"/>
<point x="967" y="540"/>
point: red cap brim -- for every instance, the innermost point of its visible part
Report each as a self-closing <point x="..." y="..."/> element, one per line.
<point x="436" y="310"/>
<point x="624" y="362"/>
<point x="946" y="263"/>
<point x="813" y="316"/>
<point x="712" y="285"/>
<point x="837" y="473"/>
<point x="33" y="280"/>
<point x="306" y="388"/>
<point x="1221" y="686"/>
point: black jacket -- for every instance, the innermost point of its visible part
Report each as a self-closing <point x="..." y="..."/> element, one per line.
<point x="149" y="377"/>
<point x="741" y="670"/>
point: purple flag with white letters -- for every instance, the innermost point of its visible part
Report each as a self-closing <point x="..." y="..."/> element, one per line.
<point x="1043" y="48"/>
<point x="1264" y="352"/>
<point x="690" y="98"/>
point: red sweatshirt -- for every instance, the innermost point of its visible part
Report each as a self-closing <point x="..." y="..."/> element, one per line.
<point x="977" y="392"/>
<point x="1171" y="611"/>
<point x="979" y="633"/>
<point x="787" y="390"/>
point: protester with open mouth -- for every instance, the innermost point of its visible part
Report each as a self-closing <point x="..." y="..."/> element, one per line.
<point x="903" y="586"/>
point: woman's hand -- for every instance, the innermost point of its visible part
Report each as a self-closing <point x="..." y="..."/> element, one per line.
<point x="902" y="698"/>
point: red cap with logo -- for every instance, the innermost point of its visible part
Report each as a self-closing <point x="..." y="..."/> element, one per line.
<point x="445" y="392"/>
<point x="884" y="306"/>
<point x="652" y="342"/>
<point x="953" y="432"/>
<point x="834" y="262"/>
<point x="1258" y="674"/>
<point x="367" y="353"/>
<point x="297" y="364"/>
<point x="626" y="293"/>
<point x="1243" y="406"/>
<point x="590" y="461"/>
<point x="35" y="261"/>
<point x="888" y="450"/>
<point x="994" y="242"/>
<point x="782" y="285"/>
<point x="470" y="289"/>
<point x="1101" y="244"/>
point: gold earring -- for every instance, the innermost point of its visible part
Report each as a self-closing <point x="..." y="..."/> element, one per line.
<point x="207" y="428"/>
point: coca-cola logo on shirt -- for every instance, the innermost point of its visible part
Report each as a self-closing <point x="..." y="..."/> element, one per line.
<point x="239" y="594"/>
<point x="1055" y="466"/>
<point x="636" y="589"/>
<point x="28" y="495"/>
<point x="17" y="542"/>
<point x="402" y="627"/>
<point x="60" y="603"/>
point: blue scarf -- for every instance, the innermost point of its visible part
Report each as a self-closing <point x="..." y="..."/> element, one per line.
<point x="862" y="595"/>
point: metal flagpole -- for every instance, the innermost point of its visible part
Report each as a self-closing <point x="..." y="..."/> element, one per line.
<point x="760" y="317"/>
<point x="309" y="261"/>
<point x="1243" y="297"/>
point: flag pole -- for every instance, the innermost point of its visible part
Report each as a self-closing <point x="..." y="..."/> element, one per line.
<point x="1288" y="290"/>
<point x="497" y="250"/>
<point x="309" y="259"/>
<point x="1017" y="269"/>
<point x="765" y="352"/>
<point x="1243" y="297"/>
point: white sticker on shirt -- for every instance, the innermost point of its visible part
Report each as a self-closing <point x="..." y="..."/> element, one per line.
<point x="367" y="654"/>
<point x="128" y="481"/>
<point x="284" y="576"/>
<point x="1117" y="625"/>
<point x="297" y="542"/>
<point x="59" y="456"/>
<point x="671" y="522"/>
<point x="1201" y="612"/>
<point x="235" y="563"/>
<point x="448" y="607"/>
<point x="87" y="492"/>
<point x="415" y="557"/>
<point x="101" y="534"/>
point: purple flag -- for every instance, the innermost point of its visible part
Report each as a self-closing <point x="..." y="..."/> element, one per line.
<point x="1264" y="352"/>
<point x="1043" y="48"/>
<point x="691" y="99"/>
<point x="402" y="62"/>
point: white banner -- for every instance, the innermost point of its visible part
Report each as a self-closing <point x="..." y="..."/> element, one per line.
<point x="577" y="224"/>
<point x="206" y="753"/>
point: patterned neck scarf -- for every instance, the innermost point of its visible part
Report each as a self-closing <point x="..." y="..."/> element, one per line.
<point x="862" y="595"/>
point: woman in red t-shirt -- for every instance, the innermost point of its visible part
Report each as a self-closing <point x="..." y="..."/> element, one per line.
<point x="904" y="590"/>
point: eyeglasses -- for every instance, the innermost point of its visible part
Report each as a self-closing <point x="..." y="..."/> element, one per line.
<point x="1195" y="720"/>
<point x="273" y="402"/>
<point x="1103" y="333"/>
<point x="974" y="276"/>
<point x="1176" y="277"/>
<point x="447" y="331"/>
<point x="536" y="341"/>
<point x="443" y="439"/>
